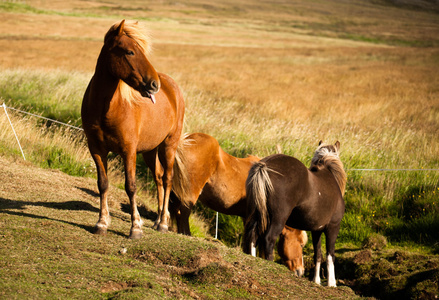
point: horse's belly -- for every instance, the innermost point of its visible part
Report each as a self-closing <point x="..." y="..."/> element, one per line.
<point x="229" y="203"/>
<point x="148" y="141"/>
<point x="309" y="219"/>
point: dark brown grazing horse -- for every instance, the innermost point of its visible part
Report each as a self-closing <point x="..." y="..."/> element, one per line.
<point x="205" y="172"/>
<point x="290" y="249"/>
<point x="129" y="108"/>
<point x="282" y="191"/>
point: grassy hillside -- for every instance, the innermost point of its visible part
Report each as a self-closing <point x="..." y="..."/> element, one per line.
<point x="48" y="250"/>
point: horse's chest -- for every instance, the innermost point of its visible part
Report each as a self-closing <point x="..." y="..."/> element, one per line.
<point x="132" y="132"/>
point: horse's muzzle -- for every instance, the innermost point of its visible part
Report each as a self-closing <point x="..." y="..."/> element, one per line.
<point x="149" y="89"/>
<point x="299" y="272"/>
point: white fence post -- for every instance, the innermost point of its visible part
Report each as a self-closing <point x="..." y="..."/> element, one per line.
<point x="16" y="137"/>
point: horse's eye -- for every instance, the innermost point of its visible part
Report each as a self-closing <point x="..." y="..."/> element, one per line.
<point x="130" y="52"/>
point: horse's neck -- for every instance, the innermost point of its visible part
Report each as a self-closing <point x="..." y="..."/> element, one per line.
<point x="104" y="86"/>
<point x="336" y="170"/>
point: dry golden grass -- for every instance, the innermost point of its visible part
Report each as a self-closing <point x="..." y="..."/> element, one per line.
<point x="282" y="65"/>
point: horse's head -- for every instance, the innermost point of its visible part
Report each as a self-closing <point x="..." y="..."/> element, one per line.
<point x="294" y="241"/>
<point x="126" y="49"/>
<point x="323" y="151"/>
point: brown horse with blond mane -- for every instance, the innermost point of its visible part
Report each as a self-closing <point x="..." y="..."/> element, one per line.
<point x="282" y="191"/>
<point x="129" y="108"/>
<point x="203" y="171"/>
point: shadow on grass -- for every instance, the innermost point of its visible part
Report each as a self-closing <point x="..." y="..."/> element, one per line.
<point x="68" y="205"/>
<point x="7" y="205"/>
<point x="88" y="191"/>
<point x="143" y="211"/>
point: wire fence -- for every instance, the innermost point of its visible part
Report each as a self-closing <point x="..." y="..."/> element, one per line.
<point x="216" y="226"/>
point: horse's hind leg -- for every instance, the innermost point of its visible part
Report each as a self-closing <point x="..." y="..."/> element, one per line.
<point x="153" y="163"/>
<point x="270" y="238"/>
<point x="166" y="157"/>
<point x="317" y="244"/>
<point x="104" y="215"/>
<point x="130" y="188"/>
<point x="183" y="226"/>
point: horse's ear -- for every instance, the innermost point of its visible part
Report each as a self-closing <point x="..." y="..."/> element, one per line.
<point x="337" y="145"/>
<point x="320" y="142"/>
<point x="119" y="29"/>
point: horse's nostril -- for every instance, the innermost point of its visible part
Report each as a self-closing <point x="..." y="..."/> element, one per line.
<point x="154" y="85"/>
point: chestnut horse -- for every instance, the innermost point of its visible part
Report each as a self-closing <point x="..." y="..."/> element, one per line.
<point x="290" y="249"/>
<point x="282" y="191"/>
<point x="129" y="108"/>
<point x="205" y="172"/>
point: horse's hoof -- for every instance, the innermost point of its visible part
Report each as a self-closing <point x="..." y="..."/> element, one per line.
<point x="162" y="228"/>
<point x="135" y="234"/>
<point x="99" y="230"/>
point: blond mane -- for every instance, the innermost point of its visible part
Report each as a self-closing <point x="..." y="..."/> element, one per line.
<point x="141" y="36"/>
<point x="328" y="156"/>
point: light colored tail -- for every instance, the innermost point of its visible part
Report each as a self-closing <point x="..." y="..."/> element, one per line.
<point x="258" y="189"/>
<point x="181" y="185"/>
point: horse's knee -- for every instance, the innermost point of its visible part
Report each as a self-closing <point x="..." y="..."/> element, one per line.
<point x="130" y="188"/>
<point x="102" y="184"/>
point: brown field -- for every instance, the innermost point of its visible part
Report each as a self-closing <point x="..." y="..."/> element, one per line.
<point x="291" y="66"/>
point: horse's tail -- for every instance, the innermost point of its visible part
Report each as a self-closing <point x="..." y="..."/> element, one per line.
<point x="180" y="180"/>
<point x="258" y="188"/>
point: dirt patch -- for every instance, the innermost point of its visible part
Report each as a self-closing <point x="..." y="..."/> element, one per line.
<point x="115" y="286"/>
<point x="390" y="274"/>
<point x="363" y="257"/>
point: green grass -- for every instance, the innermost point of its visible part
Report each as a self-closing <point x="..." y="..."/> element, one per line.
<point x="401" y="205"/>
<point x="55" y="94"/>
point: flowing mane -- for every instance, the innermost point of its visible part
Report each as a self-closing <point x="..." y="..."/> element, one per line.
<point x="328" y="156"/>
<point x="141" y="36"/>
<point x="134" y="30"/>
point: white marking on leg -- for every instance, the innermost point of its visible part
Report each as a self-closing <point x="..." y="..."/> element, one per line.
<point x="317" y="273"/>
<point x="252" y="249"/>
<point x="331" y="271"/>
<point x="104" y="222"/>
<point x="137" y="224"/>
<point x="99" y="225"/>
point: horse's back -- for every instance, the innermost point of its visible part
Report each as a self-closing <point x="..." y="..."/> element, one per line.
<point x="288" y="174"/>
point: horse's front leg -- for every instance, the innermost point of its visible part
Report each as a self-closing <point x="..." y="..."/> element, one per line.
<point x="100" y="160"/>
<point x="130" y="188"/>
<point x="331" y="235"/>
<point x="317" y="245"/>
